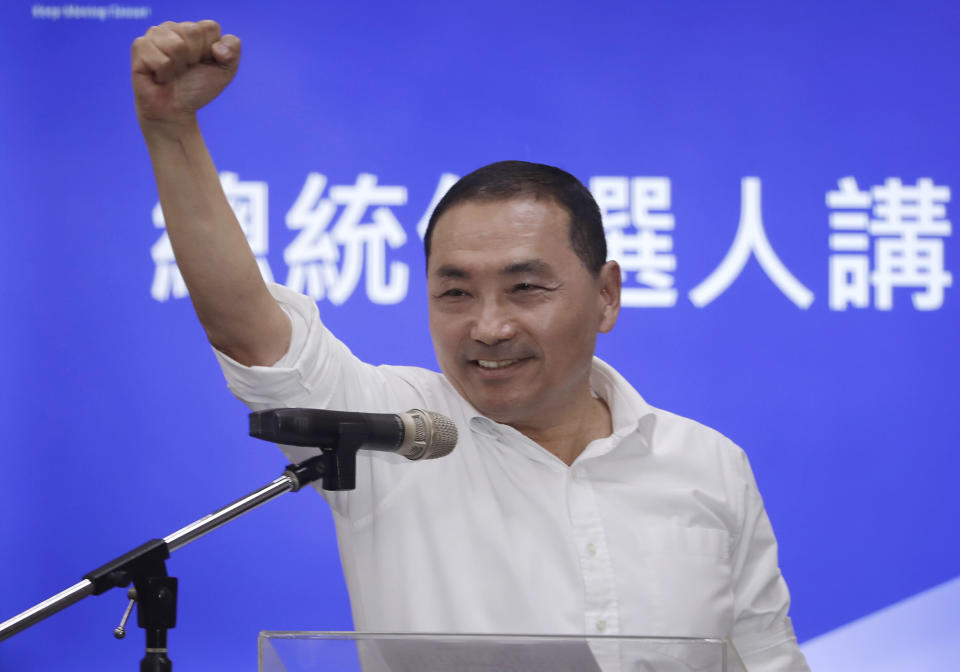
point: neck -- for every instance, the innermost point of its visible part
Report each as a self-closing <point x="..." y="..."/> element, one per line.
<point x="569" y="434"/>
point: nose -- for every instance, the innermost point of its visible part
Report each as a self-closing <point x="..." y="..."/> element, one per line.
<point x="492" y="324"/>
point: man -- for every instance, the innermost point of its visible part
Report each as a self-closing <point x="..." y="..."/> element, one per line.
<point x="570" y="505"/>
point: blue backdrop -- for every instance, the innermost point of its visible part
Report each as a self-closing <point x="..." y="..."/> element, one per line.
<point x="778" y="183"/>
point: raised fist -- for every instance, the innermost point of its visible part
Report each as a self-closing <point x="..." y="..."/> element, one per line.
<point x="177" y="68"/>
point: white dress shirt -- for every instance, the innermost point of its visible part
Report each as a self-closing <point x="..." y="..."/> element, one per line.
<point x="657" y="529"/>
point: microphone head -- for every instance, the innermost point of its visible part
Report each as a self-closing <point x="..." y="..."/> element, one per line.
<point x="427" y="435"/>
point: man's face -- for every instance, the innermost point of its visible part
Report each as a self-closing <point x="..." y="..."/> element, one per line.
<point x="514" y="313"/>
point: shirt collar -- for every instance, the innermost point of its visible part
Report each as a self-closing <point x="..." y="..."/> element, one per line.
<point x="628" y="411"/>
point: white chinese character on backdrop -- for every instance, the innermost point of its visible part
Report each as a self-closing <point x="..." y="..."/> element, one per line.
<point x="447" y="180"/>
<point x="750" y="239"/>
<point x="901" y="257"/>
<point x="249" y="203"/>
<point x="850" y="270"/>
<point x="637" y="227"/>
<point x="327" y="258"/>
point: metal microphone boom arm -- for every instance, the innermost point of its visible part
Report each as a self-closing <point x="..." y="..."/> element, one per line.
<point x="145" y="566"/>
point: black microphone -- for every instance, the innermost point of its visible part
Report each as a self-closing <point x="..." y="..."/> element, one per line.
<point x="416" y="434"/>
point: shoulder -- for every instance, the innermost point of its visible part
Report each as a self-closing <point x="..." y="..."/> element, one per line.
<point x="682" y="442"/>
<point x="426" y="381"/>
<point x="432" y="388"/>
<point x="682" y="433"/>
<point x="669" y="429"/>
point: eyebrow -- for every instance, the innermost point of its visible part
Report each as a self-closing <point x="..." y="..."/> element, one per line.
<point x="536" y="266"/>
<point x="448" y="271"/>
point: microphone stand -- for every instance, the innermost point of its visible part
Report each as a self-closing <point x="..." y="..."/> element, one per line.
<point x="145" y="566"/>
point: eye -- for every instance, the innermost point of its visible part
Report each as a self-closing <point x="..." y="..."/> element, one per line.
<point x="454" y="293"/>
<point x="525" y="287"/>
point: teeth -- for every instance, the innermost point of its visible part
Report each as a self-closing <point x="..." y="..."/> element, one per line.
<point x="495" y="364"/>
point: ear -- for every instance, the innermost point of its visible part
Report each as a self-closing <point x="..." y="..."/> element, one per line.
<point x="609" y="282"/>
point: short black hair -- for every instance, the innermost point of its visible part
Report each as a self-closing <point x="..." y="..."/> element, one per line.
<point x="506" y="180"/>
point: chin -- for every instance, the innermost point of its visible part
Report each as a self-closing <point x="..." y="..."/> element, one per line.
<point x="503" y="408"/>
<point x="505" y="412"/>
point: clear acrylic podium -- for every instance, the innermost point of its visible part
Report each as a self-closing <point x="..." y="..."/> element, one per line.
<point x="383" y="652"/>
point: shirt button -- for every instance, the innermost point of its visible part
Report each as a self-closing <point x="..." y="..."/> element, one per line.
<point x="601" y="625"/>
<point x="592" y="549"/>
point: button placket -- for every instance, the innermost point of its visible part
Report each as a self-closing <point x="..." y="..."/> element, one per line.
<point x="601" y="613"/>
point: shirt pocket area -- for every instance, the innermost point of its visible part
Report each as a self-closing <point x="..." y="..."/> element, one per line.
<point x="683" y="579"/>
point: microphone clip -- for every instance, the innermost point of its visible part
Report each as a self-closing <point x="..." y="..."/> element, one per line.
<point x="336" y="465"/>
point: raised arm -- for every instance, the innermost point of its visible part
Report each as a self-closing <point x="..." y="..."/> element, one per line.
<point x="177" y="68"/>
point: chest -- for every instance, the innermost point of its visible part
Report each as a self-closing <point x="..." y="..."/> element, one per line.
<point x="611" y="545"/>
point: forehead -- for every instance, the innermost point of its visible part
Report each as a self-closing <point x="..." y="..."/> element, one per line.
<point x="482" y="232"/>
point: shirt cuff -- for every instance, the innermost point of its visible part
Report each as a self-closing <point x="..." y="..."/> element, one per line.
<point x="773" y="650"/>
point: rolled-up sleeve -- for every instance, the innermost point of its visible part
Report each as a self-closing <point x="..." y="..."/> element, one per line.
<point x="317" y="371"/>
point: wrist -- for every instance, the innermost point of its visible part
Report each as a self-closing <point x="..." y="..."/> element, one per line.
<point x="171" y="130"/>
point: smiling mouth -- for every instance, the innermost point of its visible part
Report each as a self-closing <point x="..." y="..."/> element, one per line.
<point x="492" y="364"/>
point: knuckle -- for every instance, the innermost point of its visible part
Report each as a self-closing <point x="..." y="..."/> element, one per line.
<point x="160" y="34"/>
<point x="172" y="43"/>
<point x="209" y="27"/>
